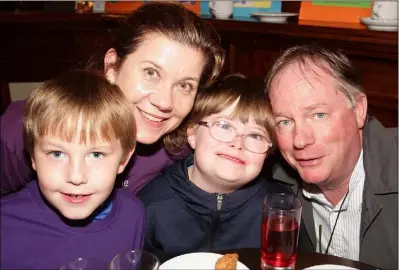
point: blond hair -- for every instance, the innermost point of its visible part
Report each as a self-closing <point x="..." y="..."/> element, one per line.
<point x="79" y="104"/>
<point x="252" y="104"/>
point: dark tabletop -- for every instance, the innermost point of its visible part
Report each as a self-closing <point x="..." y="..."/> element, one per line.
<point x="251" y="258"/>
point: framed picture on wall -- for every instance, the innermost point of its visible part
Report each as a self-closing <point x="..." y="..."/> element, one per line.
<point x="335" y="11"/>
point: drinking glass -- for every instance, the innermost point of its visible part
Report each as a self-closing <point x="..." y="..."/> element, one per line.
<point x="84" y="264"/>
<point x="135" y="260"/>
<point x="280" y="227"/>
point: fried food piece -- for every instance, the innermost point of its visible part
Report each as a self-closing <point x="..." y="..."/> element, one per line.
<point x="227" y="262"/>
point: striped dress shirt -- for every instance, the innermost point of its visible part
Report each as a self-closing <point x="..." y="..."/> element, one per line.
<point x="346" y="239"/>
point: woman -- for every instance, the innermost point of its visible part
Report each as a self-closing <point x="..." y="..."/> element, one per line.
<point x="161" y="56"/>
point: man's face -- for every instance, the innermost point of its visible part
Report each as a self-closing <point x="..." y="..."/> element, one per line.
<point x="318" y="130"/>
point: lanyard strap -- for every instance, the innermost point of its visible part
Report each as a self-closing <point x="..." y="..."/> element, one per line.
<point x="335" y="225"/>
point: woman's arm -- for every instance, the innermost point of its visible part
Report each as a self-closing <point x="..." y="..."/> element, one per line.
<point x="15" y="167"/>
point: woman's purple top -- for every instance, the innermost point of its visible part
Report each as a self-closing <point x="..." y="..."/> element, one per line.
<point x="16" y="169"/>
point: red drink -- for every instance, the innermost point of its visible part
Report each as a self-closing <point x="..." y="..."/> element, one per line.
<point x="279" y="241"/>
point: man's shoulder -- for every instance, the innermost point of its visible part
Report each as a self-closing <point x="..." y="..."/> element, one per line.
<point x="393" y="133"/>
<point x="380" y="147"/>
<point x="374" y="128"/>
<point x="380" y="140"/>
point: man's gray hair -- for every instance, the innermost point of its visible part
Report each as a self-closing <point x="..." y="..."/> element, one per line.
<point x="334" y="63"/>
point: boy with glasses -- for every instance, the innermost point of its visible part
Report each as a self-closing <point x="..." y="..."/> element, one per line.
<point x="212" y="200"/>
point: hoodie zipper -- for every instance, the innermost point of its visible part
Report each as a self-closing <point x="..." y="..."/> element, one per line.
<point x="219" y="203"/>
<point x="216" y="219"/>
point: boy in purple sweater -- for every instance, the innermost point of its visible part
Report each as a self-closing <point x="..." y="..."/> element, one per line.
<point x="78" y="129"/>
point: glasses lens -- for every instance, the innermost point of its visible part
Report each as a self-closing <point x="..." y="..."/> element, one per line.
<point x="256" y="143"/>
<point x="223" y="131"/>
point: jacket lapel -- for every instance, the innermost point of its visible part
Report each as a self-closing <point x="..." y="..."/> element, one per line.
<point x="307" y="218"/>
<point x="380" y="178"/>
<point x="370" y="209"/>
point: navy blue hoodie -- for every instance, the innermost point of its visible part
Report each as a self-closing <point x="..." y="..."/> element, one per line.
<point x="182" y="218"/>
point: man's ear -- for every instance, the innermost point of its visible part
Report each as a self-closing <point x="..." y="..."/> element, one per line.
<point x="125" y="161"/>
<point x="110" y="59"/>
<point x="191" y="136"/>
<point x="360" y="109"/>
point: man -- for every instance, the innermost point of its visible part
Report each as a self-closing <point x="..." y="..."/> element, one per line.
<point x="344" y="163"/>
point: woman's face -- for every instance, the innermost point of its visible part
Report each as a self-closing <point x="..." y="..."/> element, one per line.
<point x="160" y="79"/>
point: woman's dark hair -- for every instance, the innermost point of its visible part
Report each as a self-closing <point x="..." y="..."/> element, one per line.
<point x="174" y="21"/>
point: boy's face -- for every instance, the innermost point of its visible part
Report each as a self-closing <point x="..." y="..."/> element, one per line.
<point x="224" y="167"/>
<point x="77" y="178"/>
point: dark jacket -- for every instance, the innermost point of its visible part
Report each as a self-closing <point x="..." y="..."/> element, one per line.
<point x="379" y="221"/>
<point x="182" y="218"/>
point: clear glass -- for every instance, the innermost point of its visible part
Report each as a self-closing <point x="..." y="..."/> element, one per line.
<point x="84" y="264"/>
<point x="280" y="230"/>
<point x="135" y="260"/>
<point x="224" y="131"/>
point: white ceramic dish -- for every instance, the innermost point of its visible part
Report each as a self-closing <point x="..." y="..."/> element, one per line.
<point x="273" y="17"/>
<point x="380" y="25"/>
<point x="378" y="22"/>
<point x="198" y="260"/>
<point x="384" y="28"/>
<point x="329" y="267"/>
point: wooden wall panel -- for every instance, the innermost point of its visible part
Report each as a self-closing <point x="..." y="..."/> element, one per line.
<point x="39" y="46"/>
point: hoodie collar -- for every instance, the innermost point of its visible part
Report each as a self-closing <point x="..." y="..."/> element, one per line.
<point x="203" y="203"/>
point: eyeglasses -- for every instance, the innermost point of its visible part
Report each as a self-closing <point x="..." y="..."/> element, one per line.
<point x="224" y="131"/>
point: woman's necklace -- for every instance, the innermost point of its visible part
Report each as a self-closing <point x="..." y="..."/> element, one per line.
<point x="335" y="224"/>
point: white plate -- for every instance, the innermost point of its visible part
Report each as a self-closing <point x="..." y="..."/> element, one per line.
<point x="379" y="22"/>
<point x="384" y="28"/>
<point x="198" y="260"/>
<point x="329" y="266"/>
<point x="273" y="17"/>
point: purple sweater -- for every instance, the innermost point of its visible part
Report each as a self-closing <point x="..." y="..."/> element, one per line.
<point x="15" y="165"/>
<point x="33" y="235"/>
